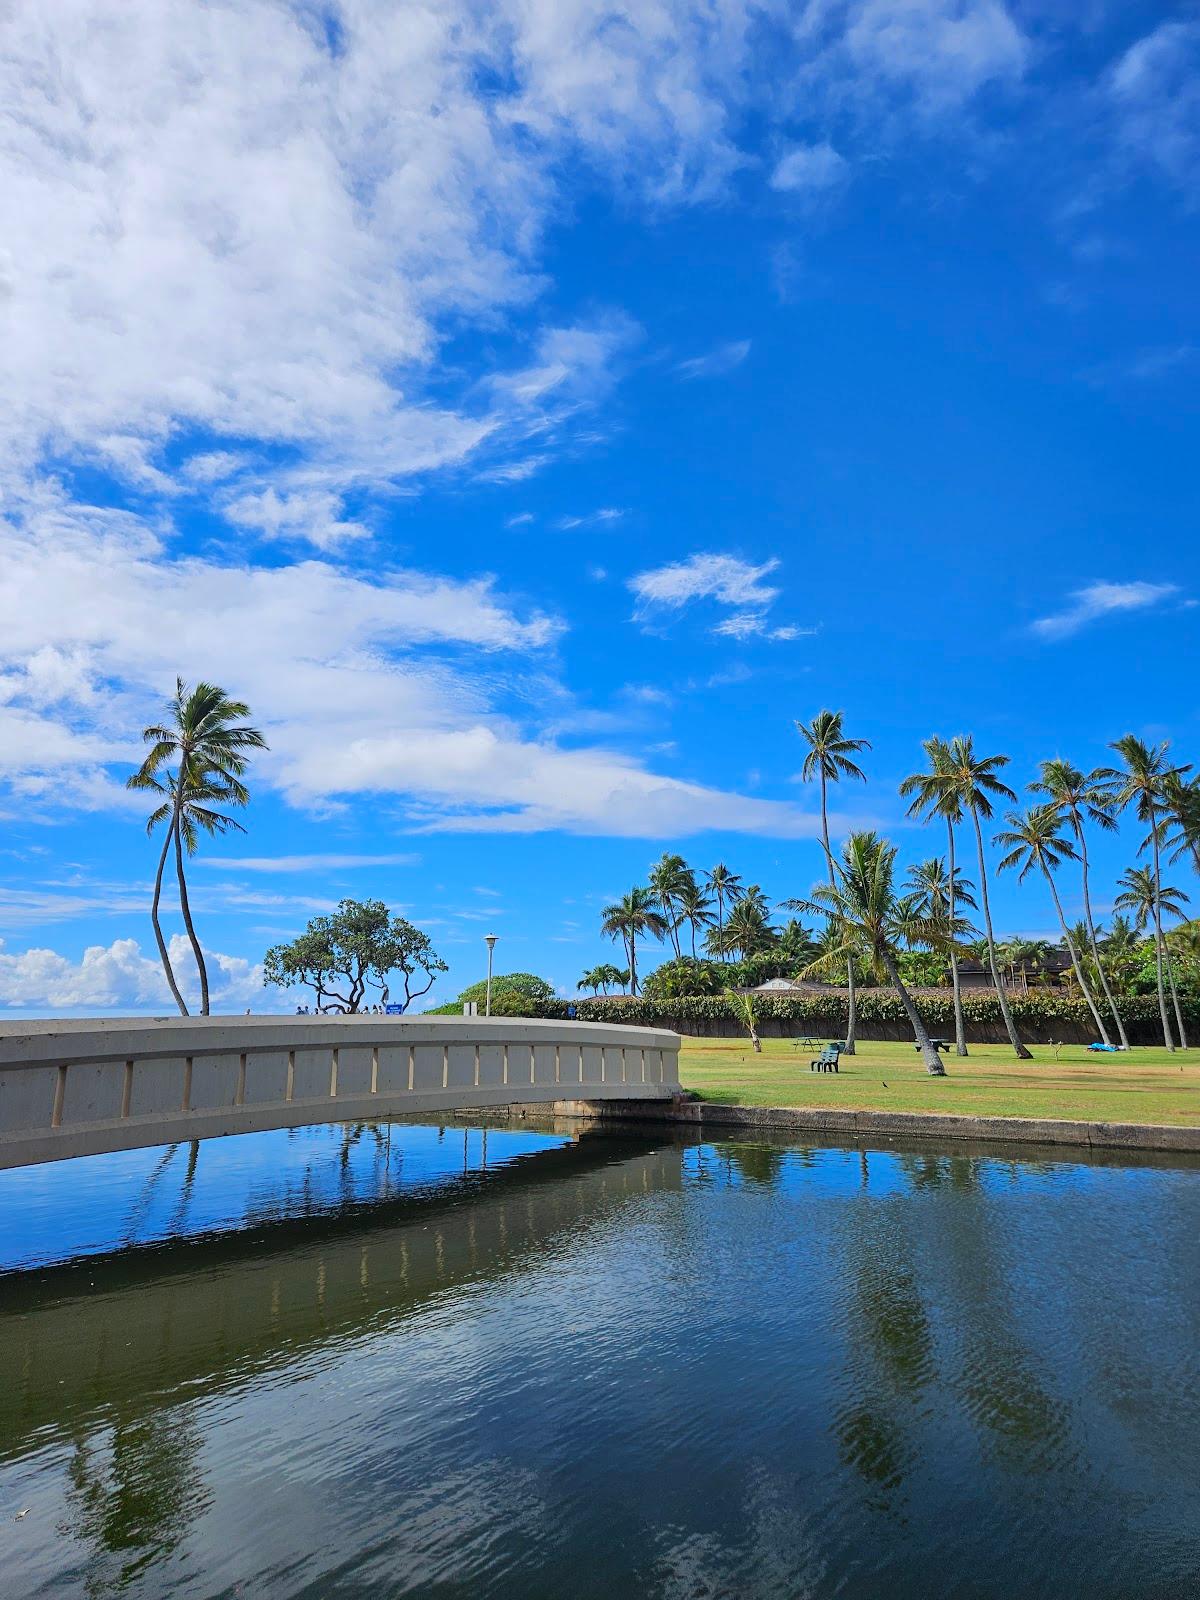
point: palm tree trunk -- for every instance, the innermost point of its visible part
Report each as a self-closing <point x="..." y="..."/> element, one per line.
<point x="1013" y="1036"/>
<point x="929" y="1052"/>
<point x="1158" y="940"/>
<point x="721" y="924"/>
<point x="633" y="983"/>
<point x="1094" y="942"/>
<point x="1075" y="962"/>
<point x="187" y="919"/>
<point x="960" y="1028"/>
<point x="158" y="933"/>
<point x="848" y="1046"/>
<point x="1183" y="1044"/>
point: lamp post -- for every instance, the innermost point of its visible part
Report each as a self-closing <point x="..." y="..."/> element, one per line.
<point x="490" y="940"/>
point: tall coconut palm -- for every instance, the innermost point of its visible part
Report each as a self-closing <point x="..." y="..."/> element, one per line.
<point x="205" y="737"/>
<point x="1035" y="841"/>
<point x="695" y="908"/>
<point x="829" y="758"/>
<point x="970" y="784"/>
<point x="1144" y="783"/>
<point x="1080" y="798"/>
<point x="635" y="916"/>
<point x="872" y="922"/>
<point x="726" y="887"/>
<point x="747" y="929"/>
<point x="670" y="879"/>
<point x="1150" y="899"/>
<point x="933" y="796"/>
<point x="936" y="893"/>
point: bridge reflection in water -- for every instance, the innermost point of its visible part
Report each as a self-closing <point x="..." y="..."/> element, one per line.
<point x="110" y="1333"/>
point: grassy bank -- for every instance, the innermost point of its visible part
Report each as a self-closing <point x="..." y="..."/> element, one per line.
<point x="1142" y="1086"/>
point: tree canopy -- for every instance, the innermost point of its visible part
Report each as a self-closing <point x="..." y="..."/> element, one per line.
<point x="360" y="948"/>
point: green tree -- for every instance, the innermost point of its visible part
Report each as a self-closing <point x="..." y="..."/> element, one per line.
<point x="670" y="880"/>
<point x="747" y="928"/>
<point x="743" y="1004"/>
<point x="360" y="947"/>
<point x="635" y="916"/>
<point x="695" y="908"/>
<point x="970" y="784"/>
<point x="1080" y="798"/>
<point x="1035" y="842"/>
<point x="726" y="887"/>
<point x="521" y="985"/>
<point x="932" y="794"/>
<point x="208" y="743"/>
<point x="829" y="758"/>
<point x="1149" y="899"/>
<point x="1143" y="784"/>
<point x="874" y="922"/>
<point x="603" y="977"/>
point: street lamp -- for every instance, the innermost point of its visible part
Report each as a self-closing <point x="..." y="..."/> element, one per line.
<point x="490" y="940"/>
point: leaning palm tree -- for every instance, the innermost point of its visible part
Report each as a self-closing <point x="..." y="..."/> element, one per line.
<point x="726" y="887"/>
<point x="872" y="922"/>
<point x="1035" y="843"/>
<point x="1149" y="899"/>
<point x="970" y="783"/>
<point x="829" y="758"/>
<point x="1144" y="783"/>
<point x="635" y="915"/>
<point x="670" y="878"/>
<point x="205" y="735"/>
<point x="932" y="796"/>
<point x="1079" y="798"/>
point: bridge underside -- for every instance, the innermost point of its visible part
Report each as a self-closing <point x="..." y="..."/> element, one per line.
<point x="84" y="1089"/>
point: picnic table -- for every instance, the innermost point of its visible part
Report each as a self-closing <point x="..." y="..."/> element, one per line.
<point x="807" y="1043"/>
<point x="938" y="1044"/>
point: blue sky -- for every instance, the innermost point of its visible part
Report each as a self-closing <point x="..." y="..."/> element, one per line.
<point x="531" y="410"/>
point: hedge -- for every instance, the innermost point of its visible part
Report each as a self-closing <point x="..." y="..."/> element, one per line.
<point x="1040" y="1016"/>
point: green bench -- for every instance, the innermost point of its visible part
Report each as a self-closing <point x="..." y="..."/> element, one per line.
<point x="827" y="1061"/>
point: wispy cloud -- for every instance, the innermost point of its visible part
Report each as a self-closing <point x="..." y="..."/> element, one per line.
<point x="810" y="169"/>
<point x="590" y="518"/>
<point x="313" y="863"/>
<point x="1154" y="90"/>
<point x="1098" y="600"/>
<point x="520" y="520"/>
<point x="717" y="362"/>
<point x="724" y="579"/>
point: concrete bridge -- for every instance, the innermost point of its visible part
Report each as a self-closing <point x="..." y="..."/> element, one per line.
<point x="81" y="1088"/>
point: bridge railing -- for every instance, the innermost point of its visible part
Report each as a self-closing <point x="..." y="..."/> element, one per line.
<point x="78" y="1088"/>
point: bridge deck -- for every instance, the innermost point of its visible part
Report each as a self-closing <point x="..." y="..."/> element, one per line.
<point x="84" y="1087"/>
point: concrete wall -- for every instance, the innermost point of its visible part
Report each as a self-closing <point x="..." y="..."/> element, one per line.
<point x="80" y="1088"/>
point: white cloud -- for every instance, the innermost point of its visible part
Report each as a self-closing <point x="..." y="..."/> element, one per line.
<point x="590" y="518"/>
<point x="1098" y="600"/>
<point x="939" y="52"/>
<point x="386" y="687"/>
<point x="717" y="362"/>
<point x="753" y="624"/>
<point x="725" y="579"/>
<point x="812" y="168"/>
<point x="705" y="576"/>
<point x="322" y="862"/>
<point x="1155" y="92"/>
<point x="520" y="520"/>
<point x="120" y="977"/>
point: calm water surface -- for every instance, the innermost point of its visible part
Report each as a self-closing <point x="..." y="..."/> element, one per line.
<point x="354" y="1363"/>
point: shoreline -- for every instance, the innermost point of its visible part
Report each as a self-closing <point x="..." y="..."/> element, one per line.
<point x="702" y="1114"/>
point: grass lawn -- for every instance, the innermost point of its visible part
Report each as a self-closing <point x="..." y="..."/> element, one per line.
<point x="1144" y="1085"/>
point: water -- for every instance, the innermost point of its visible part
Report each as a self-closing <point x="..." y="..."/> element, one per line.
<point x="351" y="1363"/>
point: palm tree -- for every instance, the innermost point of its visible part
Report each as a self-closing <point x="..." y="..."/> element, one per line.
<point x="726" y="887"/>
<point x="635" y="915"/>
<point x="1182" y="799"/>
<point x="694" y="908"/>
<point x="670" y="878"/>
<point x="593" y="980"/>
<point x="872" y="921"/>
<point x="1080" y="798"/>
<point x="747" y="929"/>
<point x="829" y="758"/>
<point x="1149" y="899"/>
<point x="1145" y="783"/>
<point x="1034" y="841"/>
<point x="205" y="734"/>
<point x="932" y="796"/>
<point x="935" y="894"/>
<point x="970" y="784"/>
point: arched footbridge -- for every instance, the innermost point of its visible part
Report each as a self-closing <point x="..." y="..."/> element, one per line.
<point x="84" y="1087"/>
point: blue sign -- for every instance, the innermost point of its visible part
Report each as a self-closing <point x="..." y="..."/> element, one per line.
<point x="393" y="1010"/>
